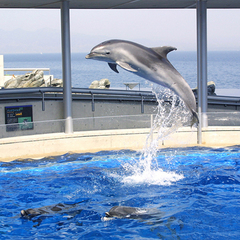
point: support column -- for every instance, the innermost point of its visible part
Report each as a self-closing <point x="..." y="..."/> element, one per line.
<point x="202" y="66"/>
<point x="1" y="71"/>
<point x="66" y="66"/>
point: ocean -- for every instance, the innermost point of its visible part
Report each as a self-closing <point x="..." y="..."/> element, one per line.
<point x="223" y="69"/>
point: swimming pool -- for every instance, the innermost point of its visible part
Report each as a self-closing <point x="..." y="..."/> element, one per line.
<point x="194" y="191"/>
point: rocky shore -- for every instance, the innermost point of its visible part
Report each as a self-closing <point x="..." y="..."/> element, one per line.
<point x="36" y="79"/>
<point x="33" y="79"/>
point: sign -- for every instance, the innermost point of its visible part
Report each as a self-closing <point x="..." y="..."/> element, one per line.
<point x="18" y="118"/>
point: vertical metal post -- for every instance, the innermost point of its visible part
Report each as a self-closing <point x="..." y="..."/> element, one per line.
<point x="202" y="65"/>
<point x="43" y="100"/>
<point x="142" y="105"/>
<point x="93" y="103"/>
<point x="1" y="71"/>
<point x="66" y="66"/>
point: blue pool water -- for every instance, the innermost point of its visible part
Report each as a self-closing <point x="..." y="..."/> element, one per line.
<point x="194" y="191"/>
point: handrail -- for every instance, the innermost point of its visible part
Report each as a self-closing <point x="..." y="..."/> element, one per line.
<point x="75" y="90"/>
<point x="110" y="94"/>
<point x="25" y="69"/>
<point x="224" y="98"/>
<point x="78" y="94"/>
<point x="100" y="91"/>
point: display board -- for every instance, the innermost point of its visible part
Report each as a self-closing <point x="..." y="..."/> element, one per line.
<point x="18" y="118"/>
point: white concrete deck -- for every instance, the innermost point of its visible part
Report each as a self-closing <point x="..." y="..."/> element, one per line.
<point x="44" y="145"/>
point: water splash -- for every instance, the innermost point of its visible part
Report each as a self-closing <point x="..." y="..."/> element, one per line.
<point x="171" y="114"/>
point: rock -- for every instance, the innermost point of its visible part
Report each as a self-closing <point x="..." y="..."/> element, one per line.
<point x="56" y="83"/>
<point x="101" y="84"/>
<point x="210" y="89"/>
<point x="104" y="83"/>
<point x="33" y="79"/>
<point x="94" y="84"/>
<point x="11" y="83"/>
<point x="36" y="83"/>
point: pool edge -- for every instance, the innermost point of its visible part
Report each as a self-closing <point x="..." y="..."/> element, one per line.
<point x="44" y="145"/>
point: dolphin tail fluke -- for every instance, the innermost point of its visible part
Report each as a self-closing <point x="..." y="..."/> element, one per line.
<point x="195" y="118"/>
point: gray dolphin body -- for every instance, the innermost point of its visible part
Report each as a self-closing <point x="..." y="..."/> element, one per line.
<point x="149" y="63"/>
<point x="48" y="210"/>
<point x="133" y="213"/>
<point x="121" y="211"/>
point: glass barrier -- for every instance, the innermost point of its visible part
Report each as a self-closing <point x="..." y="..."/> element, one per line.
<point x="105" y="123"/>
<point x="79" y="124"/>
<point x="224" y="118"/>
<point x="112" y="122"/>
<point x="31" y="128"/>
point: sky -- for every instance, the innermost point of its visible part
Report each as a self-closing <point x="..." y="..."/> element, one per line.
<point x="39" y="31"/>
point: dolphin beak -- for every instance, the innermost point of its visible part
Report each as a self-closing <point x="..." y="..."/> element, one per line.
<point x="107" y="214"/>
<point x="88" y="56"/>
<point x="23" y="213"/>
<point x="93" y="55"/>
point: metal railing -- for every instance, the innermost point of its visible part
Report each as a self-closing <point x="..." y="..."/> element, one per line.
<point x="55" y="93"/>
<point x="26" y="69"/>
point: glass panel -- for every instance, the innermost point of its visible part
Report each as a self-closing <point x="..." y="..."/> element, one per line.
<point x="104" y="123"/>
<point x="224" y="118"/>
<point x="112" y="122"/>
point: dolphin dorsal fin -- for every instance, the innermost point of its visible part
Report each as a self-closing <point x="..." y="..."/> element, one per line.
<point x="163" y="51"/>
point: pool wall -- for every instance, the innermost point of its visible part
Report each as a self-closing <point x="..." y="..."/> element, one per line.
<point x="45" y="145"/>
<point x="96" y="109"/>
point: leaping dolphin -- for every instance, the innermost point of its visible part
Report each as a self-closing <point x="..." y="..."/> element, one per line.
<point x="149" y="63"/>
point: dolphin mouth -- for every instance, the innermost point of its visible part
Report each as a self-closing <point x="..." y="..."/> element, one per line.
<point x="94" y="55"/>
<point x="88" y="56"/>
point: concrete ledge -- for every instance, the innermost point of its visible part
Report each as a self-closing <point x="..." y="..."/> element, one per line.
<point x="221" y="136"/>
<point x="37" y="146"/>
<point x="211" y="137"/>
<point x="43" y="145"/>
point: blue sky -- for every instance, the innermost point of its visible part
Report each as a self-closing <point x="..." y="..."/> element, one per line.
<point x="39" y="30"/>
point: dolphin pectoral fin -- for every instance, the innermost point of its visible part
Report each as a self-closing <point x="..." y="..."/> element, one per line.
<point x="126" y="66"/>
<point x="113" y="66"/>
<point x="163" y="51"/>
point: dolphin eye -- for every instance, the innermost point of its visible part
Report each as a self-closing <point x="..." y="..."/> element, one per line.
<point x="108" y="52"/>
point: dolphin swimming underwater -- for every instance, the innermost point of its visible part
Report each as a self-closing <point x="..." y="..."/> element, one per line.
<point x="121" y="211"/>
<point x="51" y="209"/>
<point x="149" y="63"/>
<point x="41" y="213"/>
<point x="133" y="213"/>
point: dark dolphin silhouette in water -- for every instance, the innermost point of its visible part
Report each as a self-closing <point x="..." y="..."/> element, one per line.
<point x="122" y="211"/>
<point x="51" y="209"/>
<point x="133" y="213"/>
<point x="39" y="214"/>
<point x="149" y="63"/>
<point x="150" y="216"/>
